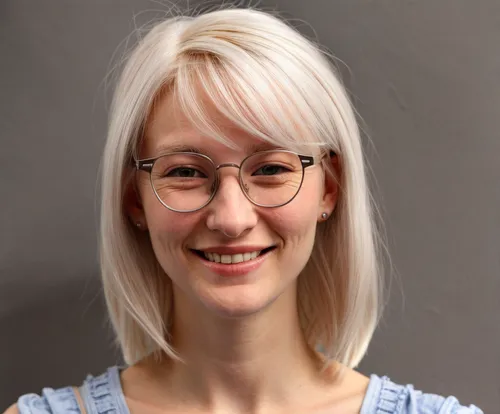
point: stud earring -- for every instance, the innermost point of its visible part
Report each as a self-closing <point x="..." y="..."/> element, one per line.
<point x="138" y="225"/>
<point x="324" y="216"/>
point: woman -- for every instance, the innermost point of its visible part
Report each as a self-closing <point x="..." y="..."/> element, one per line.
<point x="239" y="254"/>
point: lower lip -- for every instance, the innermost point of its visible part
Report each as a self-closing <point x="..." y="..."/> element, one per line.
<point x="235" y="269"/>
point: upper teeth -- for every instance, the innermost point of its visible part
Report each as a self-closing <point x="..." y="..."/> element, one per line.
<point x="231" y="258"/>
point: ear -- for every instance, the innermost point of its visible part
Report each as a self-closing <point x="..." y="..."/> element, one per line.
<point x="331" y="186"/>
<point x="132" y="204"/>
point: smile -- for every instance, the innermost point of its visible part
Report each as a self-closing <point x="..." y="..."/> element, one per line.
<point x="231" y="258"/>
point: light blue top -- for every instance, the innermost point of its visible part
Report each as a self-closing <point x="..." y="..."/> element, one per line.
<point x="104" y="395"/>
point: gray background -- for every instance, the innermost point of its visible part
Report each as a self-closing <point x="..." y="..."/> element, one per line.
<point x="425" y="77"/>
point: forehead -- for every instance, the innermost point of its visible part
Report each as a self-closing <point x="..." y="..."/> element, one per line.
<point x="168" y="128"/>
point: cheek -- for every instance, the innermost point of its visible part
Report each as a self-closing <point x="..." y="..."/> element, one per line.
<point x="165" y="227"/>
<point x="296" y="221"/>
<point x="168" y="232"/>
<point x="302" y="211"/>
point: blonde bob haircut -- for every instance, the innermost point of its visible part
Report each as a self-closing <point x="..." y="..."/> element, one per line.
<point x="272" y="82"/>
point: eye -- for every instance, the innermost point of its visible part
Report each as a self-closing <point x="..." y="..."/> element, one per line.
<point x="271" y="169"/>
<point x="185" y="172"/>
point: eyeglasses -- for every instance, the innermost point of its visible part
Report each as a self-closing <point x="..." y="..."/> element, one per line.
<point x="186" y="182"/>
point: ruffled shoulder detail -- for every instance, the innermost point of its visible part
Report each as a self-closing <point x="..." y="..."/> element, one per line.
<point x="103" y="394"/>
<point x="100" y="394"/>
<point x="385" y="397"/>
<point x="51" y="401"/>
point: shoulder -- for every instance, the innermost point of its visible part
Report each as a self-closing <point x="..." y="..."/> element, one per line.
<point x="385" y="397"/>
<point x="100" y="394"/>
<point x="12" y="410"/>
<point x="50" y="401"/>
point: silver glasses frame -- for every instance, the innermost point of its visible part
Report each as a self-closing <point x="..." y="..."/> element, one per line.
<point x="147" y="165"/>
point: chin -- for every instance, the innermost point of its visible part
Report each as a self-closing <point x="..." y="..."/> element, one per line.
<point x="238" y="301"/>
<point x="237" y="292"/>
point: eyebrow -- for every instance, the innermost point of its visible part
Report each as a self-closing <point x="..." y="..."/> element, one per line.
<point x="169" y="148"/>
<point x="166" y="148"/>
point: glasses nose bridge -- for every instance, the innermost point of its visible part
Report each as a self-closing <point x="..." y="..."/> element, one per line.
<point x="227" y="164"/>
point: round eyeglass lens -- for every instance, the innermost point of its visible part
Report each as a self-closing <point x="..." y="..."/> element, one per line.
<point x="183" y="182"/>
<point x="271" y="178"/>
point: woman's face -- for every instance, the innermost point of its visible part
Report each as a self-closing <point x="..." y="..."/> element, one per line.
<point x="229" y="225"/>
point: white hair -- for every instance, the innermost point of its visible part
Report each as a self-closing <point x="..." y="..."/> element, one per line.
<point x="272" y="82"/>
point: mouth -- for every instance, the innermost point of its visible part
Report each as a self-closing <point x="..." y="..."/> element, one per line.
<point x="231" y="258"/>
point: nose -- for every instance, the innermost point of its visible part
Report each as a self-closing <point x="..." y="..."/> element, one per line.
<point x="230" y="212"/>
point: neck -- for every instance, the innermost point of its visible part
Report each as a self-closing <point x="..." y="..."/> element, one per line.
<point x="241" y="362"/>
